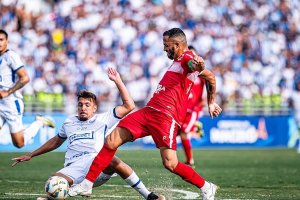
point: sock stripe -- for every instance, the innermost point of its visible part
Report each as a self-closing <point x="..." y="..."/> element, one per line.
<point x="136" y="184"/>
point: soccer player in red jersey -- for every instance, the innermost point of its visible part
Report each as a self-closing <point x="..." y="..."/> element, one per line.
<point x="194" y="110"/>
<point x="162" y="116"/>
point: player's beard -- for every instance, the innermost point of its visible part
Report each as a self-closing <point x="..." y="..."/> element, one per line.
<point x="83" y="118"/>
<point x="171" y="54"/>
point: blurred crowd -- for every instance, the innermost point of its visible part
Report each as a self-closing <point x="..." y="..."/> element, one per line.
<point x="253" y="47"/>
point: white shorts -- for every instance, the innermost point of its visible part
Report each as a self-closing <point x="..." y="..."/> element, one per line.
<point x="11" y="112"/>
<point x="78" y="169"/>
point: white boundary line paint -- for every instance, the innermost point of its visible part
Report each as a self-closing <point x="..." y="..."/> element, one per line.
<point x="187" y="194"/>
<point x="102" y="196"/>
<point x="113" y="196"/>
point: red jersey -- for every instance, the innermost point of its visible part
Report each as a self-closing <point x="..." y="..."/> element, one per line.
<point x="171" y="95"/>
<point x="195" y="98"/>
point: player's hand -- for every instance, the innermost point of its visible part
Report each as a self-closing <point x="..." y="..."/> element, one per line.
<point x="3" y="94"/>
<point x="214" y="110"/>
<point x="198" y="63"/>
<point x="113" y="74"/>
<point x="20" y="159"/>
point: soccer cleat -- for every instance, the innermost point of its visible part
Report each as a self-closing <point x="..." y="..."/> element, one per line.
<point x="209" y="194"/>
<point x="79" y="190"/>
<point x="46" y="121"/>
<point x="153" y="196"/>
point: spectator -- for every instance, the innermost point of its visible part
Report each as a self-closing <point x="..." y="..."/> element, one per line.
<point x="66" y="39"/>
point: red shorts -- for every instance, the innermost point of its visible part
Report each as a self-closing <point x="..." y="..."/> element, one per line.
<point x="148" y="121"/>
<point x="190" y="121"/>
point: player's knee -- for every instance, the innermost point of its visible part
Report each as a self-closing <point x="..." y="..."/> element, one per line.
<point x="115" y="162"/>
<point x="111" y="143"/>
<point x="18" y="144"/>
<point x="169" y="165"/>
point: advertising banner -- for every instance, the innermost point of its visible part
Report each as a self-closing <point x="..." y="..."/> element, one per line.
<point x="240" y="131"/>
<point x="224" y="131"/>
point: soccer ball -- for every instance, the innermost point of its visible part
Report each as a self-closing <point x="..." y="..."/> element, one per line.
<point x="57" y="187"/>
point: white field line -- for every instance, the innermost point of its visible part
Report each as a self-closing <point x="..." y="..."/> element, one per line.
<point x="185" y="194"/>
<point x="105" y="196"/>
<point x="102" y="196"/>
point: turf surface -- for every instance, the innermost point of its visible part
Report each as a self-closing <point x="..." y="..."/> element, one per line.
<point x="241" y="174"/>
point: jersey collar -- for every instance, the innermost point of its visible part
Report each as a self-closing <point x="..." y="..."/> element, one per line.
<point x="4" y="52"/>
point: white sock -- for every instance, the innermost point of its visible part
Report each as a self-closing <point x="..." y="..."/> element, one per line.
<point x="101" y="179"/>
<point x="206" y="186"/>
<point x="31" y="131"/>
<point x="86" y="184"/>
<point x="134" y="181"/>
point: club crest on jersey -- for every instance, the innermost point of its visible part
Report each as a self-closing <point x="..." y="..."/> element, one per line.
<point x="81" y="136"/>
<point x="160" y="88"/>
<point x="81" y="128"/>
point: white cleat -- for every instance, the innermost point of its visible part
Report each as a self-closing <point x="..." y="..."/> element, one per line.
<point x="42" y="198"/>
<point x="79" y="190"/>
<point x="209" y="194"/>
<point x="46" y="121"/>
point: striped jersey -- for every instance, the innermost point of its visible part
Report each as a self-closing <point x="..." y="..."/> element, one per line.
<point x="86" y="137"/>
<point x="10" y="63"/>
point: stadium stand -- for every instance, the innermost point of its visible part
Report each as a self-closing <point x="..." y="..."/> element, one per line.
<point x="253" y="47"/>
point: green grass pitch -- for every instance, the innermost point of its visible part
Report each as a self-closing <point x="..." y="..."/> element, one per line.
<point x="241" y="174"/>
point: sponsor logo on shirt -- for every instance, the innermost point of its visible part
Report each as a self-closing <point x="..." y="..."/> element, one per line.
<point x="81" y="136"/>
<point x="159" y="88"/>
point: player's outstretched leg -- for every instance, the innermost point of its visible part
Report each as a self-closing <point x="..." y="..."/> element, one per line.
<point x="187" y="173"/>
<point x="129" y="176"/>
<point x="46" y="121"/>
<point x="31" y="131"/>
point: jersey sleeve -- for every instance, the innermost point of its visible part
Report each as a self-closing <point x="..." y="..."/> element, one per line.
<point x="109" y="118"/>
<point x="15" y="61"/>
<point x="62" y="133"/>
<point x="186" y="61"/>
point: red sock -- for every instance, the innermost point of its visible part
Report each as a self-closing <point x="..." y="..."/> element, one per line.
<point x="187" y="147"/>
<point x="100" y="162"/>
<point x="189" y="175"/>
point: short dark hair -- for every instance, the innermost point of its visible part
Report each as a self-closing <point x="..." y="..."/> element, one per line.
<point x="174" y="32"/>
<point x="190" y="47"/>
<point x="4" y="33"/>
<point x="87" y="95"/>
